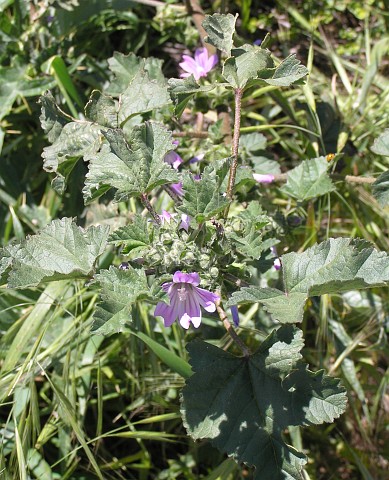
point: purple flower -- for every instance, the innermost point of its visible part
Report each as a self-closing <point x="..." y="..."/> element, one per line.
<point x="197" y="158"/>
<point x="186" y="298"/>
<point x="235" y="315"/>
<point x="257" y="42"/>
<point x="263" y="178"/>
<point x="177" y="188"/>
<point x="277" y="264"/>
<point x="185" y="221"/>
<point x="166" y="216"/>
<point x="173" y="159"/>
<point x="198" y="66"/>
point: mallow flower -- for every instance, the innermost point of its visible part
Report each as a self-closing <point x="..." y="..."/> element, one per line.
<point x="186" y="300"/>
<point x="263" y="178"/>
<point x="166" y="216"/>
<point x="172" y="157"/>
<point x="198" y="66"/>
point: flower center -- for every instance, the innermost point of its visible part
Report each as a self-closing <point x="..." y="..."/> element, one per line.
<point x="182" y="293"/>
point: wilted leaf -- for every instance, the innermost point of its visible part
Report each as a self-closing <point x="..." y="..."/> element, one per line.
<point x="52" y="118"/>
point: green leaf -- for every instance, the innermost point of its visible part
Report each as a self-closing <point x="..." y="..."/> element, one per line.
<point x="52" y="118"/>
<point x="142" y="95"/>
<point x="284" y="308"/>
<point x="220" y="30"/>
<point x="71" y="141"/>
<point x="288" y="72"/>
<point x="381" y="144"/>
<point x="76" y="140"/>
<point x="334" y="266"/>
<point x="183" y="89"/>
<point x="248" y="243"/>
<point x="243" y="404"/>
<point x="173" y="361"/>
<point x="253" y="142"/>
<point x="380" y="189"/>
<point x="245" y="64"/>
<point x="15" y="82"/>
<point x="127" y="67"/>
<point x="102" y="109"/>
<point x="133" y="165"/>
<point x="135" y="237"/>
<point x="60" y="250"/>
<point x="254" y="213"/>
<point x="309" y="180"/>
<point x="202" y="199"/>
<point x="119" y="289"/>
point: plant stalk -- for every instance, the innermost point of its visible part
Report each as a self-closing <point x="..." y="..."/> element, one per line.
<point x="146" y="202"/>
<point x="235" y="142"/>
<point x="227" y="325"/>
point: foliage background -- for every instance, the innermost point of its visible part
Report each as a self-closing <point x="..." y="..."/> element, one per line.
<point x="76" y="406"/>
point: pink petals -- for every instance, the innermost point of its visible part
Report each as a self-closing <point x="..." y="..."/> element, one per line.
<point x="199" y="66"/>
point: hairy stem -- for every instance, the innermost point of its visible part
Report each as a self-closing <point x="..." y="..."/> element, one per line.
<point x="227" y="325"/>
<point x="235" y="142"/>
<point x="146" y="202"/>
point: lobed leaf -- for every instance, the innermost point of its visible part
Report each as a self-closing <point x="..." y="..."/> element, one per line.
<point x="245" y="64"/>
<point x="102" y="109"/>
<point x="309" y="180"/>
<point x="60" y="250"/>
<point x="380" y="189"/>
<point x="381" y="144"/>
<point x="202" y="198"/>
<point x="142" y="95"/>
<point x="126" y="67"/>
<point x="334" y="266"/>
<point x="288" y="72"/>
<point x="134" y="237"/>
<point x="242" y="405"/>
<point x="182" y="90"/>
<point x="119" y="289"/>
<point x="220" y="29"/>
<point x="133" y="165"/>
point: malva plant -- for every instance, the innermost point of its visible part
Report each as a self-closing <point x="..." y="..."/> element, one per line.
<point x="206" y="247"/>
